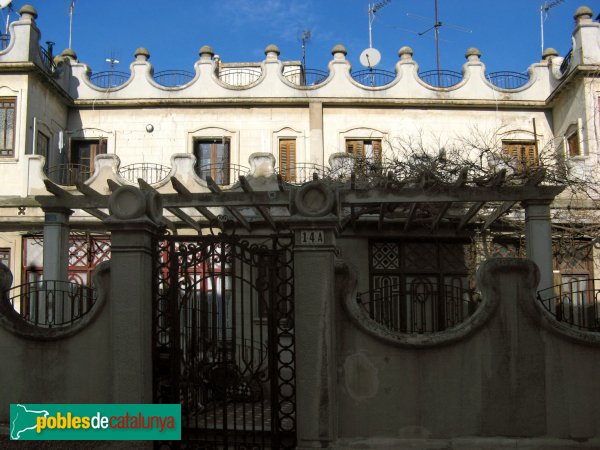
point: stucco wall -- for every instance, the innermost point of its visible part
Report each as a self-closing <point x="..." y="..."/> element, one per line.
<point x="71" y="369"/>
<point x="514" y="377"/>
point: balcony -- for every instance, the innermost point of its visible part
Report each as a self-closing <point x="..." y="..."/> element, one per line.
<point x="223" y="174"/>
<point x="109" y="79"/>
<point x="441" y="78"/>
<point x="173" y="78"/>
<point x="302" y="172"/>
<point x="239" y="76"/>
<point x="306" y="77"/>
<point x="51" y="304"/>
<point x="575" y="303"/>
<point x="68" y="174"/>
<point x="374" y="77"/>
<point x="419" y="306"/>
<point x="149" y="172"/>
<point x="508" y="80"/>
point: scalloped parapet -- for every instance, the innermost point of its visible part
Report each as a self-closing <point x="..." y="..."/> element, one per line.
<point x="268" y="80"/>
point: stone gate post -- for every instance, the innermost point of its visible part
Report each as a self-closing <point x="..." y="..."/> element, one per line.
<point x="56" y="244"/>
<point x="133" y="223"/>
<point x="538" y="235"/>
<point x="314" y="270"/>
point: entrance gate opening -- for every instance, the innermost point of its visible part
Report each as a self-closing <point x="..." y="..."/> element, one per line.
<point x="223" y="339"/>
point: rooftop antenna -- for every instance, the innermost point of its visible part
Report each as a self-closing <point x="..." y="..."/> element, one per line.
<point x="370" y="56"/>
<point x="436" y="27"/>
<point x="6" y="4"/>
<point x="544" y="8"/>
<point x="373" y="8"/>
<point x="71" y="11"/>
<point x="304" y="38"/>
<point x="112" y="61"/>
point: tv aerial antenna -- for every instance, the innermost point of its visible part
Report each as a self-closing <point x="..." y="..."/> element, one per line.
<point x="370" y="56"/>
<point x="71" y="11"/>
<point x="544" y="9"/>
<point x="112" y="61"/>
<point x="436" y="28"/>
<point x="304" y="39"/>
<point x="6" y="4"/>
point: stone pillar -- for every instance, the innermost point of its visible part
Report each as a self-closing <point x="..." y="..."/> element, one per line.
<point x="56" y="244"/>
<point x="315" y="113"/>
<point x="538" y="239"/>
<point x="314" y="271"/>
<point x="133" y="224"/>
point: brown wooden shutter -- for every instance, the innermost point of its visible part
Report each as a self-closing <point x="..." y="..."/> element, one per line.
<point x="523" y="153"/>
<point x="377" y="152"/>
<point x="287" y="159"/>
<point x="356" y="148"/>
<point x="573" y="145"/>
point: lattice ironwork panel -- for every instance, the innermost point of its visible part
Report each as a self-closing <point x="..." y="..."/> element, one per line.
<point x="454" y="257"/>
<point x="420" y="256"/>
<point x="385" y="256"/>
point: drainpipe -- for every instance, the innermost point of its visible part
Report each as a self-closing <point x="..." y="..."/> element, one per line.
<point x="34" y="135"/>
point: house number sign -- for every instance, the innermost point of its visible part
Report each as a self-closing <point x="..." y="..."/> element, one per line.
<point x="312" y="237"/>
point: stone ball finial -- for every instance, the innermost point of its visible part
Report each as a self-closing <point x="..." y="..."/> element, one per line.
<point x="69" y="53"/>
<point x="473" y="54"/>
<point x="583" y="13"/>
<point x="405" y="53"/>
<point x="339" y="48"/>
<point x="272" y="48"/>
<point x="206" y="50"/>
<point x="28" y="10"/>
<point x="549" y="53"/>
<point x="142" y="54"/>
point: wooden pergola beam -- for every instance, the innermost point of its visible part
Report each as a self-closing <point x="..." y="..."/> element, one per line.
<point x="411" y="215"/>
<point x="261" y="209"/>
<point x="181" y="189"/>
<point x="497" y="213"/>
<point x="474" y="209"/>
<point x="214" y="187"/>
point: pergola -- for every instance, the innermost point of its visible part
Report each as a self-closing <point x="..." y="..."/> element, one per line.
<point x="270" y="204"/>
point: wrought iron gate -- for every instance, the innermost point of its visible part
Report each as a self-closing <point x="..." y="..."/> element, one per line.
<point x="223" y="338"/>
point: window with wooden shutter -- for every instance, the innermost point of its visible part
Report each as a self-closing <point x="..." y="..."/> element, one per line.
<point x="212" y="159"/>
<point x="367" y="154"/>
<point x="5" y="256"/>
<point x="573" y="144"/>
<point x="523" y="153"/>
<point x="7" y="126"/>
<point x="287" y="159"/>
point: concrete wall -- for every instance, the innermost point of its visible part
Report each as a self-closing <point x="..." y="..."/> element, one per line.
<point x="516" y="377"/>
<point x="57" y="366"/>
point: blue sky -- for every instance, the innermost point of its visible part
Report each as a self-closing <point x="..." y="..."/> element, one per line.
<point x="507" y="32"/>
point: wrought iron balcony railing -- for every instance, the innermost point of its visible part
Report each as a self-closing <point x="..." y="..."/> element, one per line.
<point x="47" y="61"/>
<point x="374" y="77"/>
<point x="239" y="77"/>
<point x="109" y="78"/>
<point x="68" y="174"/>
<point x="575" y="303"/>
<point x="173" y="78"/>
<point x="149" y="172"/>
<point x="566" y="64"/>
<point x="441" y="78"/>
<point x="508" y="80"/>
<point x="306" y="77"/>
<point x="50" y="304"/>
<point x="4" y="41"/>
<point x="302" y="172"/>
<point x="419" y="306"/>
<point x="223" y="174"/>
